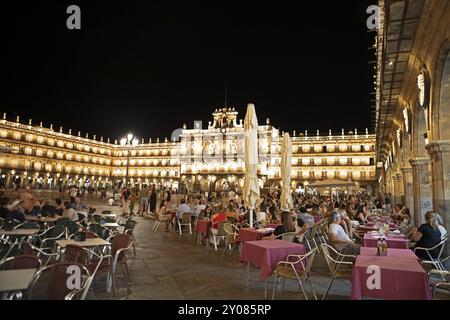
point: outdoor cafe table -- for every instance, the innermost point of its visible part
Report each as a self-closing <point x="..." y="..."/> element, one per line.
<point x="391" y="252"/>
<point x="400" y="279"/>
<point x="265" y="255"/>
<point x="41" y="219"/>
<point x="112" y="225"/>
<point x="202" y="227"/>
<point x="19" y="232"/>
<point x="16" y="280"/>
<point x="91" y="242"/>
<point x="393" y="241"/>
<point x="251" y="234"/>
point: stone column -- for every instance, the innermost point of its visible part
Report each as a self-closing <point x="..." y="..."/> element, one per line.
<point x="400" y="190"/>
<point x="394" y="190"/>
<point x="408" y="189"/>
<point x="423" y="200"/>
<point x="440" y="168"/>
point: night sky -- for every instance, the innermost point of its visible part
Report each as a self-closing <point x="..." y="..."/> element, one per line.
<point x="148" y="68"/>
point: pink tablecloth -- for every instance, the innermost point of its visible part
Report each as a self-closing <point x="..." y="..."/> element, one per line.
<point x="267" y="253"/>
<point x="317" y="218"/>
<point x="251" y="234"/>
<point x="400" y="279"/>
<point x="391" y="253"/>
<point x="203" y="228"/>
<point x="392" y="242"/>
<point x="272" y="225"/>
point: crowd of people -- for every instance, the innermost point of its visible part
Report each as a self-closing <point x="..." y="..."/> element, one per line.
<point x="22" y="203"/>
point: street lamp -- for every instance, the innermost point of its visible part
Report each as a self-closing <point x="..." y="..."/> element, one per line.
<point x="130" y="142"/>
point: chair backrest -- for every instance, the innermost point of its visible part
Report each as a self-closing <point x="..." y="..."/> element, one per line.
<point x="57" y="231"/>
<point x="76" y="253"/>
<point x="130" y="224"/>
<point x="186" y="218"/>
<point x="99" y="230"/>
<point x="62" y="221"/>
<point x="288" y="236"/>
<point x="328" y="258"/>
<point x="221" y="228"/>
<point x="106" y="212"/>
<point x="59" y="276"/>
<point x="27" y="249"/>
<point x="229" y="230"/>
<point x="10" y="224"/>
<point x="120" y="241"/>
<point x="21" y="262"/>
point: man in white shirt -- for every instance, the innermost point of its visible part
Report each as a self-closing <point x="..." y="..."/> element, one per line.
<point x="339" y="239"/>
<point x="182" y="208"/>
<point x="198" y="207"/>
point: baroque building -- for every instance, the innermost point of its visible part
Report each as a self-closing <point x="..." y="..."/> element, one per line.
<point x="197" y="159"/>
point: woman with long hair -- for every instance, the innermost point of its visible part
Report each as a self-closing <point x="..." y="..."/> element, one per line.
<point x="427" y="236"/>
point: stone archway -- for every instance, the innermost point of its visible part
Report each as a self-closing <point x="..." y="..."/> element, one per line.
<point x="439" y="147"/>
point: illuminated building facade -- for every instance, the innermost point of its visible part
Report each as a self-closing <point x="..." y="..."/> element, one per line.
<point x="413" y="105"/>
<point x="197" y="159"/>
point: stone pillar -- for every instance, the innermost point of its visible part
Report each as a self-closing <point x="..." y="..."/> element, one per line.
<point x="394" y="189"/>
<point x="440" y="169"/>
<point x="408" y="189"/>
<point x="400" y="190"/>
<point x="423" y="200"/>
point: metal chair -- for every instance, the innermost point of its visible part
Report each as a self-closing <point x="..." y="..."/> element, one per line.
<point x="436" y="262"/>
<point x="288" y="236"/>
<point x="445" y="284"/>
<point x="338" y="267"/>
<point x="296" y="267"/>
<point x="221" y="234"/>
<point x="160" y="219"/>
<point x="185" y="221"/>
<point x="232" y="233"/>
<point x="129" y="230"/>
<point x="58" y="288"/>
<point x="20" y="262"/>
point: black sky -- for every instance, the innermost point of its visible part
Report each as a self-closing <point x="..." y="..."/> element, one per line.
<point x="148" y="68"/>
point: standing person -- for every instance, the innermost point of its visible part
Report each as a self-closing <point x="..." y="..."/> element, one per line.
<point x="144" y="200"/>
<point x="73" y="193"/>
<point x="125" y="197"/>
<point x="167" y="195"/>
<point x="133" y="199"/>
<point x="153" y="200"/>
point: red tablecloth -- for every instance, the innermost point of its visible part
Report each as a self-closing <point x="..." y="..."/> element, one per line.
<point x="392" y="242"/>
<point x="317" y="218"/>
<point x="391" y="253"/>
<point x="400" y="279"/>
<point x="272" y="225"/>
<point x="203" y="228"/>
<point x="266" y="254"/>
<point x="251" y="234"/>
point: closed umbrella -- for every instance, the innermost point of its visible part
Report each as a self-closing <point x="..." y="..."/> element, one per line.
<point x="286" y="163"/>
<point x="251" y="185"/>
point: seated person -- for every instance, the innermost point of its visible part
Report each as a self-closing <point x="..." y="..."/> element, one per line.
<point x="69" y="212"/>
<point x="216" y="219"/>
<point x="427" y="236"/>
<point x="441" y="226"/>
<point x="287" y="225"/>
<point x="59" y="207"/>
<point x="405" y="218"/>
<point x="305" y="216"/>
<point x="231" y="213"/>
<point x="397" y="212"/>
<point x="47" y="209"/>
<point x="16" y="211"/>
<point x="361" y="214"/>
<point x="301" y="228"/>
<point x="339" y="239"/>
<point x="3" y="210"/>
